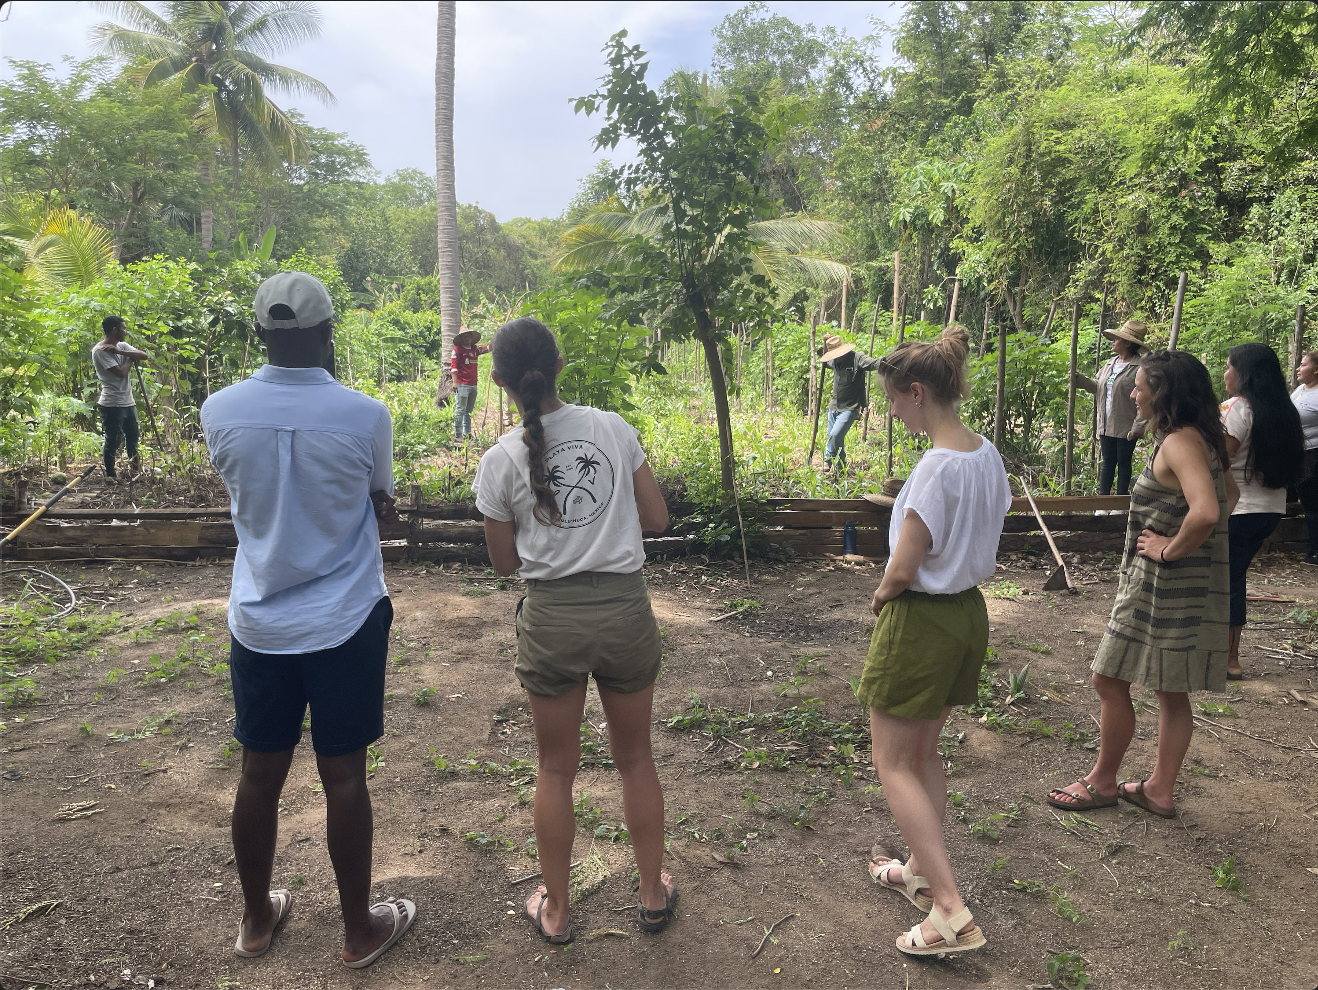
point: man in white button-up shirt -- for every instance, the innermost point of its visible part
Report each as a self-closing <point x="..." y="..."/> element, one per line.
<point x="308" y="465"/>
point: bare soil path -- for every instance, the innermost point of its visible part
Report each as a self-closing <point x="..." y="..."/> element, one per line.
<point x="770" y="812"/>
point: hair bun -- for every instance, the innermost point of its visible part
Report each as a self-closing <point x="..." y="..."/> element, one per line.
<point x="954" y="344"/>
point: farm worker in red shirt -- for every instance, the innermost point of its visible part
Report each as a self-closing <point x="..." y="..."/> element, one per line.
<point x="467" y="349"/>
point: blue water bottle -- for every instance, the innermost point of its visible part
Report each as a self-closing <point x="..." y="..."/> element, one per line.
<point x="849" y="537"/>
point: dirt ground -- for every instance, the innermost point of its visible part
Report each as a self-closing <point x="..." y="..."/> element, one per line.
<point x="147" y="890"/>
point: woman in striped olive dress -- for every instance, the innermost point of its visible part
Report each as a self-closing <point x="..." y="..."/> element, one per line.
<point x="1168" y="629"/>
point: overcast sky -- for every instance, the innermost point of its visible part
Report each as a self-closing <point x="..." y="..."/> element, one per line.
<point x="520" y="150"/>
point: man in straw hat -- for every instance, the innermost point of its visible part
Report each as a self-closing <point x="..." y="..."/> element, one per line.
<point x="1119" y="425"/>
<point x="467" y="350"/>
<point x="849" y="398"/>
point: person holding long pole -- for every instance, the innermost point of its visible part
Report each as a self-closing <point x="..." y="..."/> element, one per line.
<point x="113" y="358"/>
<point x="931" y="636"/>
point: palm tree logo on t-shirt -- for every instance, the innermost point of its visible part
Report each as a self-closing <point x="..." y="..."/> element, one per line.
<point x="582" y="478"/>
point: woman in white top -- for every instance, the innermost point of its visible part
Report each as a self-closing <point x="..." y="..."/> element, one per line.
<point x="932" y="632"/>
<point x="565" y="498"/>
<point x="1266" y="445"/>
<point x="1305" y="399"/>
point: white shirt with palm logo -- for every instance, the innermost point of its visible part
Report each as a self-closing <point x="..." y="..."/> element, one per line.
<point x="591" y="456"/>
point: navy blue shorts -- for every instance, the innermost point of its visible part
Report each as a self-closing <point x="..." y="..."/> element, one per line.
<point x="344" y="687"/>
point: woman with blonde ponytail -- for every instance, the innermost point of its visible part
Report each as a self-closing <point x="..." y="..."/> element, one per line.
<point x="566" y="497"/>
<point x="932" y="631"/>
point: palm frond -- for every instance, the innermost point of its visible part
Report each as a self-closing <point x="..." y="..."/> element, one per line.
<point x="277" y="27"/>
<point x="138" y="17"/>
<point x="800" y="271"/>
<point x="797" y="233"/>
<point x="69" y="251"/>
<point x="283" y="79"/>
<point x="133" y="45"/>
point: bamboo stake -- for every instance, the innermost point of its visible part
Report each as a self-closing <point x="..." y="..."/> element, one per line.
<point x="146" y="401"/>
<point x="1176" y="312"/>
<point x="956" y="292"/>
<point x="1098" y="350"/>
<point x="842" y="323"/>
<point x="1048" y="323"/>
<point x="874" y="326"/>
<point x="896" y="286"/>
<point x="1297" y="343"/>
<point x="1000" y="407"/>
<point x="810" y="383"/>
<point x="1069" y="470"/>
<point x="901" y="338"/>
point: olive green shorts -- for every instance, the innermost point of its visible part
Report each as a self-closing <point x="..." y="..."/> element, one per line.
<point x="587" y="624"/>
<point x="926" y="654"/>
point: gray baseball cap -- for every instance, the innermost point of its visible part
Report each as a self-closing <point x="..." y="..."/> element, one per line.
<point x="305" y="296"/>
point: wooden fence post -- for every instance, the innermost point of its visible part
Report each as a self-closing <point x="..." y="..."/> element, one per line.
<point x="901" y="337"/>
<point x="874" y="326"/>
<point x="956" y="293"/>
<point x="896" y="287"/>
<point x="1069" y="469"/>
<point x="1000" y="410"/>
<point x="1176" y="312"/>
<point x="1297" y="343"/>
<point x="1098" y="344"/>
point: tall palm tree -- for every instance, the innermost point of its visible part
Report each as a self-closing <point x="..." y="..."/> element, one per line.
<point x="224" y="45"/>
<point x="450" y="278"/>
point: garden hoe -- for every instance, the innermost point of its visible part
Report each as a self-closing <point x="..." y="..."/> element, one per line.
<point x="1060" y="579"/>
<point x="46" y="505"/>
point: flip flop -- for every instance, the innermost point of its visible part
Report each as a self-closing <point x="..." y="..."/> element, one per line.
<point x="283" y="906"/>
<point x="1138" y="798"/>
<point x="401" y="925"/>
<point x="913" y="943"/>
<point x="910" y="885"/>
<point x="564" y="937"/>
<point x="653" y="922"/>
<point x="1095" y="800"/>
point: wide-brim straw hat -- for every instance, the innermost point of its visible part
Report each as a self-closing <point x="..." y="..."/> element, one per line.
<point x="888" y="496"/>
<point x="1132" y="330"/>
<point x="834" y="348"/>
<point x="467" y="338"/>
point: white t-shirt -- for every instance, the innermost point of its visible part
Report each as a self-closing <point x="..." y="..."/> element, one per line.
<point x="590" y="457"/>
<point x="962" y="498"/>
<point x="1238" y="421"/>
<point x="1118" y="366"/>
<point x="1306" y="401"/>
<point x="115" y="391"/>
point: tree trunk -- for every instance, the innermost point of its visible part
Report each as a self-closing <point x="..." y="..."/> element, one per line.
<point x="450" y="285"/>
<point x="207" y="216"/>
<point x="707" y="334"/>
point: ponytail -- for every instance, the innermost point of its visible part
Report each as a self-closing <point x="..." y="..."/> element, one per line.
<point x="526" y="355"/>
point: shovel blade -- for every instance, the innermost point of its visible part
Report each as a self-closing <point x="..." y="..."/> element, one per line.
<point x="1059" y="581"/>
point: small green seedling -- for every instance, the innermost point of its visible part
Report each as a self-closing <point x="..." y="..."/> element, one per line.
<point x="85" y="729"/>
<point x="424" y="697"/>
<point x="1225" y="876"/>
<point x="1067" y="970"/>
<point x="1221" y="711"/>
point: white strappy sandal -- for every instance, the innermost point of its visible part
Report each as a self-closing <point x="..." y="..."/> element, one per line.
<point x="908" y="888"/>
<point x="913" y="943"/>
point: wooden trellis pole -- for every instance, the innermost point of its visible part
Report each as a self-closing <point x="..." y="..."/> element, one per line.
<point x="1000" y="407"/>
<point x="1069" y="468"/>
<point x="1297" y="343"/>
<point x="956" y="292"/>
<point x="901" y="337"/>
<point x="1098" y="351"/>
<point x="874" y="326"/>
<point x="1176" y="312"/>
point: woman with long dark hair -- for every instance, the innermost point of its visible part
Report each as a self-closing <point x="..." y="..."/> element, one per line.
<point x="1265" y="442"/>
<point x="1166" y="631"/>
<point x="566" y="497"/>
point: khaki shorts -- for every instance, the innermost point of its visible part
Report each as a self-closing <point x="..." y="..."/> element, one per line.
<point x="926" y="654"/>
<point x="584" y="624"/>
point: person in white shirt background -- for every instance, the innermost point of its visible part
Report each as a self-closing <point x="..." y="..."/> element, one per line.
<point x="308" y="465"/>
<point x="566" y="497"/>
<point x="931" y="636"/>
<point x="1265" y="442"/>
<point x="1305" y="399"/>
<point x="113" y="358"/>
